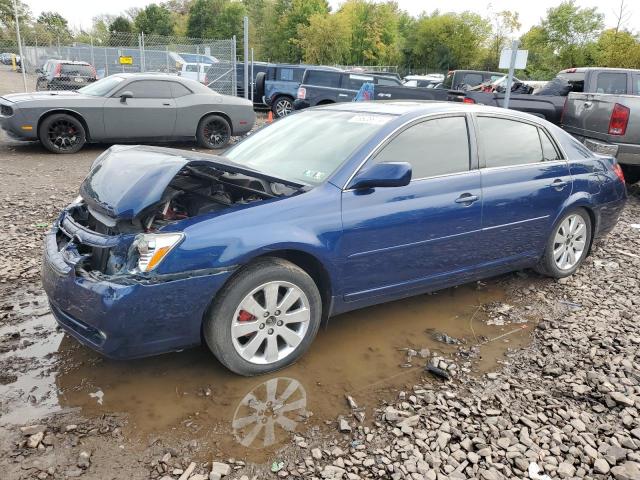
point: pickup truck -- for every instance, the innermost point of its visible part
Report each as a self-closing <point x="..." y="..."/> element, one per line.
<point x="321" y="86"/>
<point x="549" y="103"/>
<point x="609" y="122"/>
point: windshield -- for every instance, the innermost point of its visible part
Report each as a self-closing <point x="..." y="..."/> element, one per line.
<point x="101" y="87"/>
<point x="306" y="147"/>
<point x="74" y="69"/>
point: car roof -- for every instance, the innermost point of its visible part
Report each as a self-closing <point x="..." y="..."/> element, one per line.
<point x="191" y="84"/>
<point x="586" y="69"/>
<point x="400" y="108"/>
<point x="69" y="62"/>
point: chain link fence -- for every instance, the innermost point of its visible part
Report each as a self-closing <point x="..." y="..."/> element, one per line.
<point x="54" y="63"/>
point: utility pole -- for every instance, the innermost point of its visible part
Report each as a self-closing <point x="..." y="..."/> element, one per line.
<point x="22" y="62"/>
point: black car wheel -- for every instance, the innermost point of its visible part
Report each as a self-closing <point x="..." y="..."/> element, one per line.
<point x="282" y="107"/>
<point x="265" y="318"/>
<point x="214" y="132"/>
<point x="62" y="133"/>
<point x="568" y="244"/>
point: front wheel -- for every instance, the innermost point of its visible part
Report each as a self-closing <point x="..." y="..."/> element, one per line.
<point x="62" y="133"/>
<point x="568" y="245"/>
<point x="213" y="132"/>
<point x="265" y="318"/>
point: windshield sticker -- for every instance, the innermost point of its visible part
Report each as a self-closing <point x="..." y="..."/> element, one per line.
<point x="370" y="119"/>
<point x="315" y="175"/>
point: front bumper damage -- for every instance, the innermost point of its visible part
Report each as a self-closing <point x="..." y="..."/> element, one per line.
<point x="122" y="315"/>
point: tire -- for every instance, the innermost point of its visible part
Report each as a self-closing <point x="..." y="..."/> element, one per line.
<point x="631" y="173"/>
<point x="260" y="80"/>
<point x="282" y="106"/>
<point x="579" y="242"/>
<point x="214" y="132"/>
<point x="62" y="133"/>
<point x="248" y="355"/>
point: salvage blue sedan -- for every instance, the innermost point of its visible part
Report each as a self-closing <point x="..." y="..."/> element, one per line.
<point x="325" y="211"/>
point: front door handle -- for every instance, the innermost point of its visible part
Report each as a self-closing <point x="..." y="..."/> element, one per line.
<point x="166" y="104"/>
<point x="559" y="184"/>
<point x="467" y="198"/>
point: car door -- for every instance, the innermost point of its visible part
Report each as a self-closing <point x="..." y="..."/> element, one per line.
<point x="402" y="238"/>
<point x="525" y="182"/>
<point x="351" y="84"/>
<point x="149" y="113"/>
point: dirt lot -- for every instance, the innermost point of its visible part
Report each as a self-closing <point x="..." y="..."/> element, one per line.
<point x="543" y="376"/>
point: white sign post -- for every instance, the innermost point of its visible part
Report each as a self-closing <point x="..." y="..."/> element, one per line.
<point x="512" y="59"/>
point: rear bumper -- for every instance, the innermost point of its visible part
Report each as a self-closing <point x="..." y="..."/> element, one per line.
<point x="625" y="153"/>
<point x="123" y="317"/>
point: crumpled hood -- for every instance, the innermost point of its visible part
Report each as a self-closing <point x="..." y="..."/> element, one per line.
<point x="125" y="180"/>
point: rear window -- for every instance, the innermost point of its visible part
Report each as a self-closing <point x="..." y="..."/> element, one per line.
<point x="472" y="79"/>
<point x="575" y="79"/>
<point x="289" y="74"/>
<point x="322" y="78"/>
<point x="354" y="82"/>
<point x="615" y="83"/>
<point x="192" y="68"/>
<point x="80" y="70"/>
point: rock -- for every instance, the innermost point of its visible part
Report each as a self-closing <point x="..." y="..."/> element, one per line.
<point x="34" y="440"/>
<point x="32" y="430"/>
<point x="187" y="473"/>
<point x="626" y="471"/>
<point x="621" y="399"/>
<point x="316" y="453"/>
<point x="343" y="425"/>
<point x="84" y="460"/>
<point x="221" y="468"/>
<point x="601" y="466"/>
<point x="566" y="470"/>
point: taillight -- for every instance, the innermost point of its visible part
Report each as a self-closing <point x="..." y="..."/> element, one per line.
<point x="57" y="71"/>
<point x="617" y="169"/>
<point x="468" y="100"/>
<point x="619" y="120"/>
<point x="565" y="106"/>
<point x="302" y="93"/>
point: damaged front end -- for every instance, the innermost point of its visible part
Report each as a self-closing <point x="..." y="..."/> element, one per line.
<point x="103" y="257"/>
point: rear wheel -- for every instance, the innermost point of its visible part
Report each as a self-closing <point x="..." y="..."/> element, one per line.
<point x="568" y="245"/>
<point x="62" y="133"/>
<point x="282" y="107"/>
<point x="214" y="132"/>
<point x="265" y="318"/>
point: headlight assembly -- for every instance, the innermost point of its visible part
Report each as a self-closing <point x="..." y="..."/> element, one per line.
<point x="152" y="248"/>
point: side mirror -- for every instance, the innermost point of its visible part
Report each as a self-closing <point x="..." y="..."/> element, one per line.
<point x="124" y="95"/>
<point x="390" y="174"/>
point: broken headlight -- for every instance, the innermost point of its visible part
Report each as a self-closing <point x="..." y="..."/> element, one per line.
<point x="152" y="248"/>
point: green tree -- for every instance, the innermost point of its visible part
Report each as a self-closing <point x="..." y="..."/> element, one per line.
<point x="504" y="24"/>
<point x="326" y="40"/>
<point x="54" y="24"/>
<point x="154" y="20"/>
<point x="215" y="19"/>
<point x="120" y="24"/>
<point x="618" y="49"/>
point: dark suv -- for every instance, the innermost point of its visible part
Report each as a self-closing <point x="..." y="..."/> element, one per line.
<point x="321" y="86"/>
<point x="64" y="75"/>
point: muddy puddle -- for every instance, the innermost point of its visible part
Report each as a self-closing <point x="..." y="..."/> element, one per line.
<point x="190" y="396"/>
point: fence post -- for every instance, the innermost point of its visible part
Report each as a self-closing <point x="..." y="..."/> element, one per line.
<point x="234" y="76"/>
<point x="246" y="56"/>
<point x="167" y="55"/>
<point x="140" y="51"/>
<point x="93" y="60"/>
<point x="106" y="62"/>
<point x="23" y="65"/>
<point x="198" y="62"/>
<point x="252" y="77"/>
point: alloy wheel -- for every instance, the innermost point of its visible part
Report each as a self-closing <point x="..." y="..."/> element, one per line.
<point x="270" y="322"/>
<point x="283" y="107"/>
<point x="570" y="242"/>
<point x="63" y="134"/>
<point x="216" y="133"/>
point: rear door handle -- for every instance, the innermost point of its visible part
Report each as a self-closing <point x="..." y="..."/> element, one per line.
<point x="467" y="198"/>
<point x="166" y="104"/>
<point x="559" y="184"/>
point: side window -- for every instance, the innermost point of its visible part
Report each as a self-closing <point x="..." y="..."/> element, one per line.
<point x="434" y="147"/>
<point x="147" y="89"/>
<point x="636" y="83"/>
<point x="285" y="74"/>
<point x="549" y="151"/>
<point x="297" y="74"/>
<point x="387" y="81"/>
<point x="611" y="83"/>
<point x="354" y="82"/>
<point x="323" y="78"/>
<point x="179" y="90"/>
<point x="523" y="145"/>
<point x="472" y="79"/>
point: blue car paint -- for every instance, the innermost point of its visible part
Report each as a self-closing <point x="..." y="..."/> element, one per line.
<point x="375" y="245"/>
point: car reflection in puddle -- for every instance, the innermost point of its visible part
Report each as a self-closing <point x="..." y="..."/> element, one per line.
<point x="189" y="396"/>
<point x="270" y="409"/>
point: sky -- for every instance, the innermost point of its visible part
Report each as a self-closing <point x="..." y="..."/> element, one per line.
<point x="80" y="13"/>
